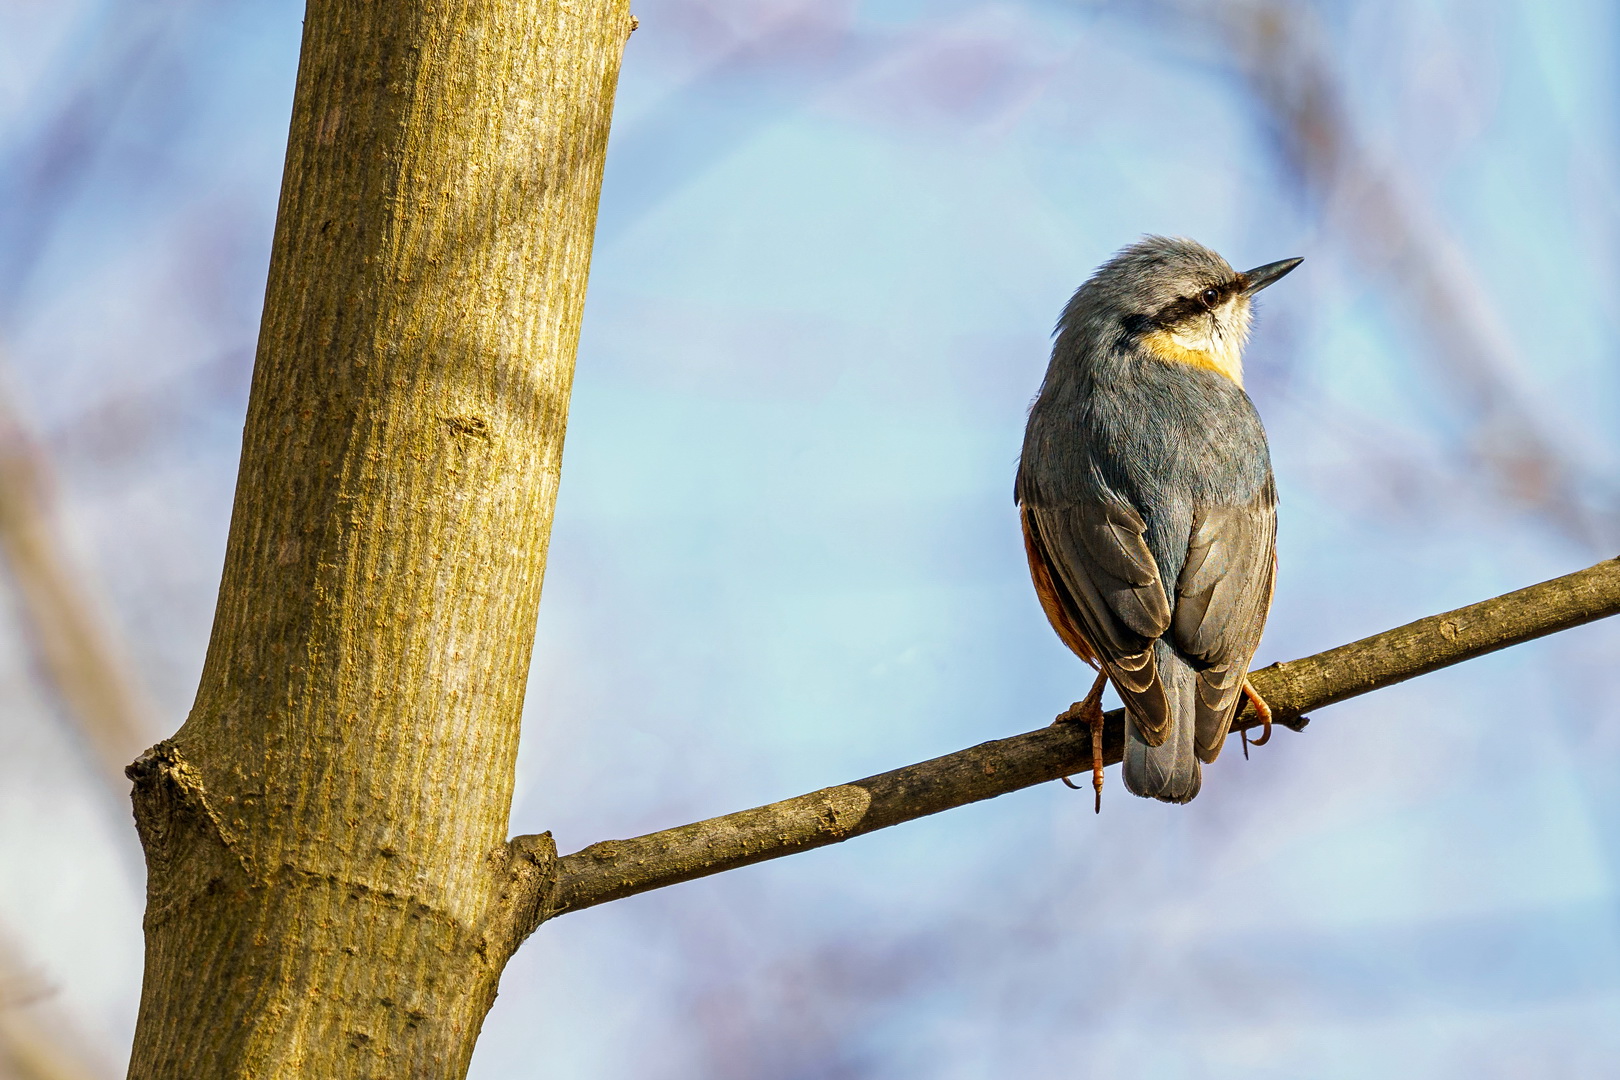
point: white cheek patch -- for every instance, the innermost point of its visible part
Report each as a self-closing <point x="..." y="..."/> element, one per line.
<point x="1227" y="332"/>
<point x="1198" y="340"/>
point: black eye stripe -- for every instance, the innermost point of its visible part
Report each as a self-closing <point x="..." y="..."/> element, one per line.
<point x="1187" y="306"/>
<point x="1179" y="310"/>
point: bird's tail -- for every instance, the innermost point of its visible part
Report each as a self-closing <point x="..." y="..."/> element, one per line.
<point x="1169" y="771"/>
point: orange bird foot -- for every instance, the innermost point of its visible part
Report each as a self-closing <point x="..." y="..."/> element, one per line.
<point x="1089" y="712"/>
<point x="1262" y="710"/>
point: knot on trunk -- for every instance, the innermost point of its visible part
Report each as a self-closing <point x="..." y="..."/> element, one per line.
<point x="527" y="896"/>
<point x="190" y="850"/>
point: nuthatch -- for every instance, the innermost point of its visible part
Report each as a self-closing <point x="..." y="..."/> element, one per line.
<point x="1148" y="505"/>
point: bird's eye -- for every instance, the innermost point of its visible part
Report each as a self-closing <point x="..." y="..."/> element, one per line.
<point x="1209" y="296"/>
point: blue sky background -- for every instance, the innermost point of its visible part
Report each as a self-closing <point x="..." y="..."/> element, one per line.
<point x="834" y="237"/>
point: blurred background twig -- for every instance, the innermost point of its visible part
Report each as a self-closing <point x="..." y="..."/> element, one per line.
<point x="37" y="1041"/>
<point x="1281" y="51"/>
<point x="76" y="651"/>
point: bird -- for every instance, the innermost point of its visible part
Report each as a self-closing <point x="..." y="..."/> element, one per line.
<point x="1148" y="504"/>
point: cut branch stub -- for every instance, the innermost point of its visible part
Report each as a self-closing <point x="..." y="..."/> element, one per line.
<point x="618" y="868"/>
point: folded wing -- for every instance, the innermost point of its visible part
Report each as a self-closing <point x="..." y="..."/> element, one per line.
<point x="1221" y="602"/>
<point x="1100" y="584"/>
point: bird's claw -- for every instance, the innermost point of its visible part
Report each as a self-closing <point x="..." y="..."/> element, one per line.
<point x="1081" y="712"/>
<point x="1090" y="713"/>
<point x="1263" y="711"/>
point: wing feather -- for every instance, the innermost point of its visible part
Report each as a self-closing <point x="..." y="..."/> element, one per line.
<point x="1106" y="585"/>
<point x="1222" y="598"/>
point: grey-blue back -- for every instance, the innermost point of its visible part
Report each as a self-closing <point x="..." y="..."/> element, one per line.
<point x="1163" y="437"/>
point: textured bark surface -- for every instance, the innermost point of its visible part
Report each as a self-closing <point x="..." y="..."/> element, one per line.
<point x="331" y="893"/>
<point x="619" y="868"/>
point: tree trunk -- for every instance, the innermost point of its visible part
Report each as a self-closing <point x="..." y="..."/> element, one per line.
<point x="330" y="892"/>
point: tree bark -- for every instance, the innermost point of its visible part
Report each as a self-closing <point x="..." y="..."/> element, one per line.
<point x="330" y="891"/>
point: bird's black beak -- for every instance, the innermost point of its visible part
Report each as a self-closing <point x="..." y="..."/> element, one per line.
<point x="1261" y="276"/>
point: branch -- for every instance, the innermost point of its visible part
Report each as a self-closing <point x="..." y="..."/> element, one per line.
<point x="615" y="869"/>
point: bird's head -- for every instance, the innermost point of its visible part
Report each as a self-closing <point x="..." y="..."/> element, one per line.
<point x="1178" y="300"/>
